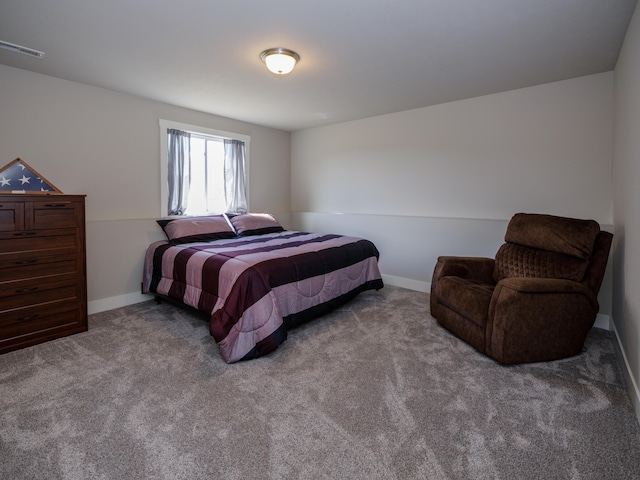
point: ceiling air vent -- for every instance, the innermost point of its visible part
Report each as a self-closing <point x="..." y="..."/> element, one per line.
<point x="20" y="49"/>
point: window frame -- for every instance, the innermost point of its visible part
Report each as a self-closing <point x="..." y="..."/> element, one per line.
<point x="198" y="130"/>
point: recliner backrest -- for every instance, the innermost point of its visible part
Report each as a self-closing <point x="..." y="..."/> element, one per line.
<point x="598" y="265"/>
<point x="546" y="246"/>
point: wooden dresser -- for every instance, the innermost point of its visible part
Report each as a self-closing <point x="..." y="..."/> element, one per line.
<point x="43" y="287"/>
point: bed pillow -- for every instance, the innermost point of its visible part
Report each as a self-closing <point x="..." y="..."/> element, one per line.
<point x="248" y="224"/>
<point x="196" y="229"/>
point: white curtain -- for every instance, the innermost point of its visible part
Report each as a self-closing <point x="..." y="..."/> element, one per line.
<point x="234" y="175"/>
<point x="179" y="170"/>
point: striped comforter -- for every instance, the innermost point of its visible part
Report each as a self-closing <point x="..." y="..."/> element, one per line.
<point x="257" y="287"/>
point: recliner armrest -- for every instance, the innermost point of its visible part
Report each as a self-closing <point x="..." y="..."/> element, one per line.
<point x="538" y="319"/>
<point x="478" y="269"/>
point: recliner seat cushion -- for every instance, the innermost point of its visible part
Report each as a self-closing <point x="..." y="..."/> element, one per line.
<point x="467" y="298"/>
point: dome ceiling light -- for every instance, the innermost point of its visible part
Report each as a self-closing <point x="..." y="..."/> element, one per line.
<point x="280" y="61"/>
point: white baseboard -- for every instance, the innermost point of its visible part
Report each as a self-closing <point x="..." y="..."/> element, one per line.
<point x="632" y="385"/>
<point x="407" y="283"/>
<point x="102" y="305"/>
<point x="97" y="306"/>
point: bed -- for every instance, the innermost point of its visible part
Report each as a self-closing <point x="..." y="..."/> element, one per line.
<point x="255" y="279"/>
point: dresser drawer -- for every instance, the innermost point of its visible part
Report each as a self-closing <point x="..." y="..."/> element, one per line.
<point x="32" y="291"/>
<point x="53" y="214"/>
<point x="11" y="216"/>
<point x="32" y="240"/>
<point x="27" y="326"/>
<point x="21" y="266"/>
<point x="40" y="214"/>
<point x="38" y="317"/>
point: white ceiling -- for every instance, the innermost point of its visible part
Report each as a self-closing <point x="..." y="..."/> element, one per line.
<point x="359" y="58"/>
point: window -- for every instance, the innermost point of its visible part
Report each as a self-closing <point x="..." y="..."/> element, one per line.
<point x="202" y="170"/>
<point x="206" y="190"/>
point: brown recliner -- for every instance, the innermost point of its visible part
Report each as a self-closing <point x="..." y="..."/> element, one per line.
<point x="536" y="301"/>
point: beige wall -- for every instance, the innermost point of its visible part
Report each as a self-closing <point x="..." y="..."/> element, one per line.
<point x="626" y="178"/>
<point x="106" y="145"/>
<point x="544" y="149"/>
<point x="444" y="180"/>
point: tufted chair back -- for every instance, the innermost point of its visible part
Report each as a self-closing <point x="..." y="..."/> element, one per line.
<point x="546" y="246"/>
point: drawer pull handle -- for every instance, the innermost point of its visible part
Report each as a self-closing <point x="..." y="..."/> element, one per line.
<point x="28" y="317"/>
<point x="54" y="205"/>
<point x="27" y="290"/>
<point x="25" y="234"/>
<point x="27" y="262"/>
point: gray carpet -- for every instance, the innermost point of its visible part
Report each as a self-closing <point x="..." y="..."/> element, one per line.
<point x="375" y="390"/>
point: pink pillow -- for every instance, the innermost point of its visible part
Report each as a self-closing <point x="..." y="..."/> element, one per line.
<point x="248" y="224"/>
<point x="196" y="229"/>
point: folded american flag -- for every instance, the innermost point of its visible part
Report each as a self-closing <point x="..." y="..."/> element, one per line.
<point x="17" y="176"/>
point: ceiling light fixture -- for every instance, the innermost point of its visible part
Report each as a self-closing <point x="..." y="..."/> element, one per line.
<point x="20" y="49"/>
<point x="280" y="61"/>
